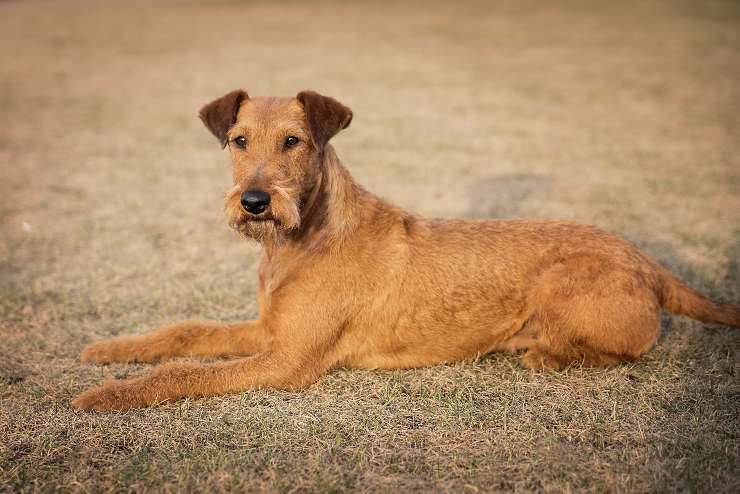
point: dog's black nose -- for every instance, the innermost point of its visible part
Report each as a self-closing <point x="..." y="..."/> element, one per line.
<point x="255" y="201"/>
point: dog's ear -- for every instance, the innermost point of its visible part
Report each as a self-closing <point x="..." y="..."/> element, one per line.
<point x="219" y="115"/>
<point x="326" y="116"/>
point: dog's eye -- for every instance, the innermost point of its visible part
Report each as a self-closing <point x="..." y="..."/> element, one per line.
<point x="240" y="141"/>
<point x="291" y="141"/>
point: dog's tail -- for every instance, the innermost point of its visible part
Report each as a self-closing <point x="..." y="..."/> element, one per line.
<point x="679" y="298"/>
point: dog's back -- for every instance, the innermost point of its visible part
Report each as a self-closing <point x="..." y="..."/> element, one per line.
<point x="443" y="290"/>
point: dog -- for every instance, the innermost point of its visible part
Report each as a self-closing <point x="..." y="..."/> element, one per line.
<point x="348" y="280"/>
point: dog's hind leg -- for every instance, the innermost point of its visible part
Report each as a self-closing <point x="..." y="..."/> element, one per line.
<point x="592" y="315"/>
<point x="181" y="339"/>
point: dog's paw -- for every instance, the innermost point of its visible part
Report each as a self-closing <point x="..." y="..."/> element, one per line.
<point x="539" y="360"/>
<point x="113" y="395"/>
<point x="122" y="350"/>
<point x="102" y="352"/>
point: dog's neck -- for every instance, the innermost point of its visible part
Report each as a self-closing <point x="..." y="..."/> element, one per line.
<point x="331" y="209"/>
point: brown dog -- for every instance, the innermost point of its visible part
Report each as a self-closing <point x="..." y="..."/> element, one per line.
<point x="348" y="280"/>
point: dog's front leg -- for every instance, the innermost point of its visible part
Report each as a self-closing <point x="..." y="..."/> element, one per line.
<point x="177" y="380"/>
<point x="181" y="339"/>
<point x="302" y="348"/>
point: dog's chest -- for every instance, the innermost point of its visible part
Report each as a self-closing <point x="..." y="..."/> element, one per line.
<point x="274" y="273"/>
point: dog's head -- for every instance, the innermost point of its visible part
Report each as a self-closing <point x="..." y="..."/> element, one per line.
<point x="276" y="147"/>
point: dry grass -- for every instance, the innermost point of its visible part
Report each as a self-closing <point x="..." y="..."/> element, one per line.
<point x="110" y="204"/>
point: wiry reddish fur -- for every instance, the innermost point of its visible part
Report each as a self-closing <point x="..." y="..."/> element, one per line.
<point x="348" y="280"/>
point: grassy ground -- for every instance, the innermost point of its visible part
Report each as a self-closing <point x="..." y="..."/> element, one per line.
<point x="110" y="206"/>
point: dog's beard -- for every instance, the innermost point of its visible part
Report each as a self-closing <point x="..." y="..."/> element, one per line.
<point x="282" y="218"/>
<point x="265" y="231"/>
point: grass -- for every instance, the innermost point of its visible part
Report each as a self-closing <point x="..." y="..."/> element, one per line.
<point x="110" y="205"/>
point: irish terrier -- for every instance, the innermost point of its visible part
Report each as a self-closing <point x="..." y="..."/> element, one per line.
<point x="349" y="280"/>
